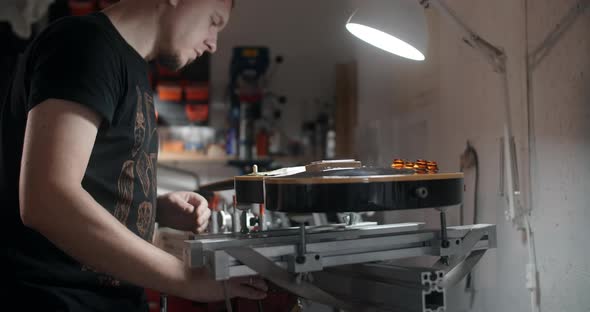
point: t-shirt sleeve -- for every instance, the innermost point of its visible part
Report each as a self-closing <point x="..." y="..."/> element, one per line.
<point x="75" y="62"/>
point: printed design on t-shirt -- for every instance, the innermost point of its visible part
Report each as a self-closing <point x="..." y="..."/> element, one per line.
<point x="140" y="122"/>
<point x="137" y="183"/>
<point x="154" y="165"/>
<point x="149" y="108"/>
<point x="139" y="169"/>
<point x="125" y="189"/>
<point x="143" y="168"/>
<point x="103" y="279"/>
<point x="144" y="218"/>
<point x="152" y="159"/>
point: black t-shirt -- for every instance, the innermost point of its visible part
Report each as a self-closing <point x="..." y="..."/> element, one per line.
<point x="84" y="60"/>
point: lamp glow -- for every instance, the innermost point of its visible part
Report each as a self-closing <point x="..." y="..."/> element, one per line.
<point x="385" y="41"/>
<point x="395" y="26"/>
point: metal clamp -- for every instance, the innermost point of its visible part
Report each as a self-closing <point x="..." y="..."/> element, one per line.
<point x="311" y="262"/>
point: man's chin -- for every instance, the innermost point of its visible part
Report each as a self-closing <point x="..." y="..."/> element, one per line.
<point x="171" y="62"/>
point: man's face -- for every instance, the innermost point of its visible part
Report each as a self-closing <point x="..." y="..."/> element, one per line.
<point x="189" y="29"/>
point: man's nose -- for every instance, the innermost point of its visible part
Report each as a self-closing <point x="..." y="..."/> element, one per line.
<point x="211" y="42"/>
<point x="211" y="46"/>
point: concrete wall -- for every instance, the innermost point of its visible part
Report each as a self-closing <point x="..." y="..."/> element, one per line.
<point x="561" y="93"/>
<point x="431" y="109"/>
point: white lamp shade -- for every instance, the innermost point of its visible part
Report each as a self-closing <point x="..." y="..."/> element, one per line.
<point x="396" y="26"/>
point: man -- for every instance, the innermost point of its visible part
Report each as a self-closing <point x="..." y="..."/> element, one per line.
<point x="78" y="153"/>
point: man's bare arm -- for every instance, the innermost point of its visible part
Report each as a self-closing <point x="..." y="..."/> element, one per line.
<point x="59" y="139"/>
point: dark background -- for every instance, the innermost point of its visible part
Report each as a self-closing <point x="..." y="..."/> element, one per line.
<point x="11" y="46"/>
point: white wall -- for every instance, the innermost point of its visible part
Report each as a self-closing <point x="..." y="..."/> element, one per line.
<point x="431" y="109"/>
<point x="455" y="97"/>
<point x="561" y="91"/>
<point x="309" y="34"/>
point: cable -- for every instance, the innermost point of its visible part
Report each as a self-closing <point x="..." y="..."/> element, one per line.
<point x="260" y="306"/>
<point x="531" y="272"/>
<point x="532" y="60"/>
<point x="163" y="303"/>
<point x="228" y="306"/>
<point x="469" y="159"/>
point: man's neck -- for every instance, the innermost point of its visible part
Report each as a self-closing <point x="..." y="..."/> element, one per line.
<point x="137" y="22"/>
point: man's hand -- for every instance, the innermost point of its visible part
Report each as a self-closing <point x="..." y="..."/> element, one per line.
<point x="185" y="211"/>
<point x="201" y="288"/>
<point x="248" y="287"/>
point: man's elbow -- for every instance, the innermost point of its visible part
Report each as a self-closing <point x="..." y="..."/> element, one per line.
<point x="37" y="204"/>
<point x="29" y="208"/>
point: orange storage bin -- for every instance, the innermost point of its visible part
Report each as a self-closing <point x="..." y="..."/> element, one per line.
<point x="197" y="112"/>
<point x="169" y="92"/>
<point x="197" y="92"/>
<point x="173" y="146"/>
